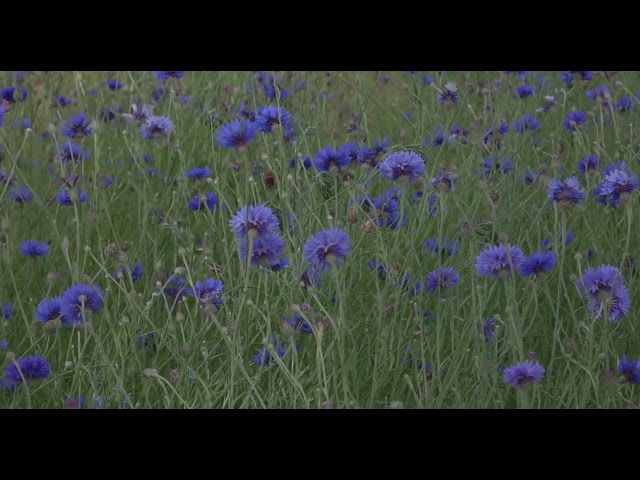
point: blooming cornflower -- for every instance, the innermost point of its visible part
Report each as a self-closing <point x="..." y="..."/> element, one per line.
<point x="208" y="292"/>
<point x="30" y="368"/>
<point x="563" y="236"/>
<point x="198" y="173"/>
<point x="438" y="138"/>
<point x="495" y="134"/>
<point x="14" y="94"/>
<point x="525" y="123"/>
<point x="34" y="248"/>
<point x="139" y="113"/>
<point x="569" y="77"/>
<point x="113" y="84"/>
<point x="449" y="95"/>
<point x="524" y="373"/>
<point x="625" y="104"/>
<point x="306" y="163"/>
<point x="77" y="126"/>
<point x="49" y="309"/>
<point x="4" y="344"/>
<point x="266" y="251"/>
<point x="445" y="181"/>
<point x="524" y="91"/>
<point x="621" y="165"/>
<point x="405" y="165"/>
<point x="459" y="134"/>
<point x="79" y="300"/>
<point x="237" y="134"/>
<point x="495" y="165"/>
<point x="348" y="150"/>
<point x="269" y="117"/>
<point x="298" y="324"/>
<point x="538" y="263"/>
<point x="605" y="291"/>
<point x="530" y="176"/>
<point x="254" y="221"/>
<point x="156" y="127"/>
<point x="20" y="195"/>
<point x="62" y="101"/>
<point x="6" y="311"/>
<point x="444" y="248"/>
<point x="64" y="197"/>
<point x="548" y="104"/>
<point x="74" y="403"/>
<point x="589" y="164"/>
<point x="264" y="357"/>
<point x="136" y="272"/>
<point x="176" y="288"/>
<point x="629" y="370"/>
<point x="565" y="191"/>
<point x="599" y="94"/>
<point x="71" y="152"/>
<point x="574" y="120"/>
<point x="499" y="261"/>
<point x="615" y="186"/>
<point x="273" y="90"/>
<point x="442" y="278"/>
<point x="205" y="202"/>
<point x="164" y="76"/>
<point x="327" y="248"/>
<point x="370" y="156"/>
<point x="329" y="160"/>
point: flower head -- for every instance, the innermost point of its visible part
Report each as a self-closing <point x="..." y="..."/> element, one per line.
<point x="371" y="156"/>
<point x="205" y="202"/>
<point x="526" y="123"/>
<point x="264" y="357"/>
<point x="208" y="292"/>
<point x="48" y="309"/>
<point x="139" y="113"/>
<point x="327" y="248"/>
<point x="269" y="117"/>
<point x="164" y="76"/>
<point x="64" y="197"/>
<point x="406" y="165"/>
<point x="30" y="368"/>
<point x="443" y="248"/>
<point x="77" y="126"/>
<point x="629" y="370"/>
<point x="449" y="94"/>
<point x="34" y="248"/>
<point x="80" y="300"/>
<point x="442" y="278"/>
<point x="605" y="292"/>
<point x="14" y="94"/>
<point x="136" y="272"/>
<point x="156" y="127"/>
<point x="266" y="252"/>
<point x="539" y="263"/>
<point x="565" y="191"/>
<point x="329" y="160"/>
<point x="20" y="195"/>
<point x="614" y="186"/>
<point x="498" y="261"/>
<point x="237" y="134"/>
<point x="198" y="173"/>
<point x="71" y="152"/>
<point x="569" y="77"/>
<point x="524" y="373"/>
<point x="573" y="120"/>
<point x="254" y="220"/>
<point x="524" y="91"/>
<point x="589" y="164"/>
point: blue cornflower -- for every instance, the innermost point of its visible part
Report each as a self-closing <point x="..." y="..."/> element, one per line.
<point x="605" y="283"/>
<point x="49" y="309"/>
<point x="310" y="277"/>
<point x="589" y="164"/>
<point x="267" y="250"/>
<point x="348" y="150"/>
<point x="30" y="368"/>
<point x="438" y="138"/>
<point x="629" y="370"/>
<point x="254" y="221"/>
<point x="208" y="292"/>
<point x="538" y="264"/>
<point x="176" y="288"/>
<point x="62" y="101"/>
<point x="615" y="186"/>
<point x="442" y="278"/>
<point x="524" y="91"/>
<point x="494" y="165"/>
<point x="329" y="160"/>
<point x="499" y="261"/>
<point x="445" y="249"/>
<point x="136" y="272"/>
<point x="526" y="123"/>
<point x="370" y="156"/>
<point x="74" y="403"/>
<point x="264" y="356"/>
<point x="6" y="311"/>
<point x="246" y="113"/>
<point x="64" y="197"/>
<point x="80" y="300"/>
<point x="272" y="89"/>
<point x="20" y="195"/>
<point x="34" y="248"/>
<point x="459" y="134"/>
<point x="449" y="95"/>
<point x="156" y="127"/>
<point x="405" y="165"/>
<point x="77" y="126"/>
<point x="298" y="324"/>
<point x="445" y="181"/>
<point x="4" y="344"/>
<point x="113" y="84"/>
<point x="625" y="104"/>
<point x="489" y="330"/>
<point x="525" y="373"/>
<point x="24" y="123"/>
<point x="495" y="134"/>
<point x="71" y="152"/>
<point x="574" y="120"/>
<point x="237" y="134"/>
<point x="327" y="248"/>
<point x="306" y="163"/>
<point x="139" y="113"/>
<point x="205" y="202"/>
<point x="164" y="76"/>
<point x="599" y="94"/>
<point x="14" y="94"/>
<point x="530" y="176"/>
<point x="268" y="118"/>
<point x="198" y="173"/>
<point x="569" y="77"/>
<point x="565" y="191"/>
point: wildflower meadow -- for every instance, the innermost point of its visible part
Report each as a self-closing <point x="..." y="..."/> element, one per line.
<point x="319" y="240"/>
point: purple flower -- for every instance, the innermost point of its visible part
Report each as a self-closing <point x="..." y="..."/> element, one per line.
<point x="71" y="152"/>
<point x="569" y="77"/>
<point x="605" y="291"/>
<point x="525" y="373"/>
<point x="449" y="94"/>
<point x="254" y="221"/>
<point x="625" y="104"/>
<point x="526" y="123"/>
<point x="14" y="94"/>
<point x="164" y="76"/>
<point x="205" y="202"/>
<point x="327" y="248"/>
<point x="574" y="120"/>
<point x="499" y="261"/>
<point x="328" y="160"/>
<point x="34" y="248"/>
<point x="495" y="134"/>
<point x="49" y="309"/>
<point x="264" y="357"/>
<point x="64" y="197"/>
<point x="4" y="344"/>
<point x="445" y="181"/>
<point x="495" y="165"/>
<point x="20" y="195"/>
<point x="237" y="134"/>
<point x="136" y="272"/>
<point x="139" y="113"/>
<point x="80" y="300"/>
<point x="348" y="150"/>
<point x="599" y="94"/>
<point x="406" y="165"/>
<point x="30" y="368"/>
<point x="442" y="278"/>
<point x="371" y="156"/>
<point x="198" y="172"/>
<point x="209" y="292"/>
<point x="615" y="186"/>
<point x="565" y="191"/>
<point x="266" y="252"/>
<point x="113" y="84"/>
<point x="299" y="324"/>
<point x="268" y="118"/>
<point x="629" y="370"/>
<point x="589" y="164"/>
<point x="77" y="126"/>
<point x="524" y="91"/>
<point x="5" y="311"/>
<point x="156" y="127"/>
<point x="459" y="134"/>
<point x="449" y="249"/>
<point x="538" y="264"/>
<point x="438" y="138"/>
